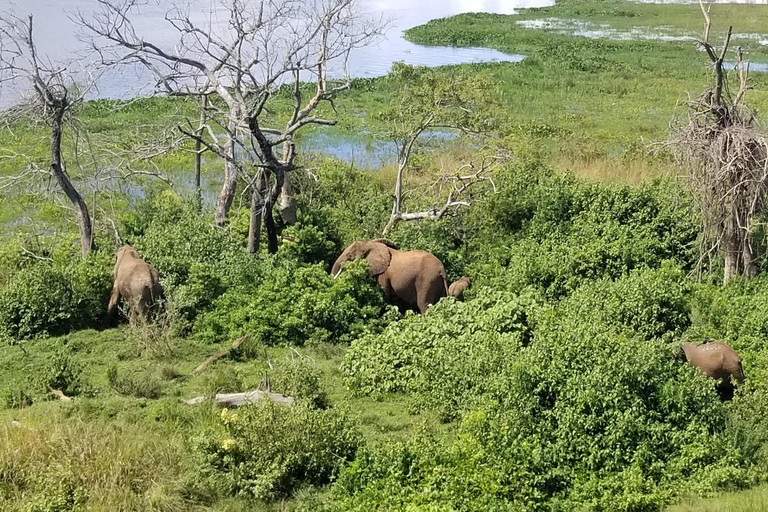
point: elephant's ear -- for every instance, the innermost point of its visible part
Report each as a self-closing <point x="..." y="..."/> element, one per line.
<point x="378" y="257"/>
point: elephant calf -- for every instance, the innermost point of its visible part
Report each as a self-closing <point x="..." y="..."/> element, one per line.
<point x="716" y="360"/>
<point x="457" y="287"/>
<point x="135" y="281"/>
<point x="414" y="278"/>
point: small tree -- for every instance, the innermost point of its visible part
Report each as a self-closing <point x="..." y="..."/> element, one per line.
<point x="432" y="101"/>
<point x="268" y="47"/>
<point x="56" y="95"/>
<point x="726" y="161"/>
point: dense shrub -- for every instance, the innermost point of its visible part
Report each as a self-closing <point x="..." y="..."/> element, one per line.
<point x="295" y="304"/>
<point x="581" y="417"/>
<point x="556" y="232"/>
<point x="298" y="378"/>
<point x="43" y="300"/>
<point x="446" y="356"/>
<point x="268" y="450"/>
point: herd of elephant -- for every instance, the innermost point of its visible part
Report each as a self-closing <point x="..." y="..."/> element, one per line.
<point x="408" y="279"/>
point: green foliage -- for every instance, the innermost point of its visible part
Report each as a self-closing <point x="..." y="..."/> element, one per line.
<point x="580" y="417"/>
<point x="346" y="202"/>
<point x="268" y="450"/>
<point x="298" y="378"/>
<point x="556" y="232"/>
<point x="445" y="97"/>
<point x="42" y="300"/>
<point x="308" y="242"/>
<point x="446" y="356"/>
<point x="36" y="302"/>
<point x="294" y="305"/>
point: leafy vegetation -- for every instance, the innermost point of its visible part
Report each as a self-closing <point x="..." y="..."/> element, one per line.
<point x="552" y="386"/>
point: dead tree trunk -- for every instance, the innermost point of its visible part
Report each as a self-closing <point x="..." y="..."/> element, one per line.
<point x="81" y="208"/>
<point x="288" y="206"/>
<point x="258" y="195"/>
<point x="227" y="194"/>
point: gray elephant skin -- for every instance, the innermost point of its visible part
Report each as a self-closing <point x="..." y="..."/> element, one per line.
<point x="718" y="361"/>
<point x="414" y="278"/>
<point x="458" y="287"/>
<point x="136" y="281"/>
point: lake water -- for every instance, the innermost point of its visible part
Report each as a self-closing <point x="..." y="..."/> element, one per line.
<point x="55" y="34"/>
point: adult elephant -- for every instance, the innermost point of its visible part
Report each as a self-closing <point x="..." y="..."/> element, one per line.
<point x="415" y="278"/>
<point x="136" y="281"/>
<point x="716" y="360"/>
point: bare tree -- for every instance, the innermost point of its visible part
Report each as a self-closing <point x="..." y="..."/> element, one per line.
<point x="725" y="158"/>
<point x="57" y="92"/>
<point x="433" y="100"/>
<point x="253" y="69"/>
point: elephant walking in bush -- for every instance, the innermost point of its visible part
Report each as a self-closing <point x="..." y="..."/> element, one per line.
<point x="457" y="288"/>
<point x="136" y="281"/>
<point x="716" y="360"/>
<point x="414" y="278"/>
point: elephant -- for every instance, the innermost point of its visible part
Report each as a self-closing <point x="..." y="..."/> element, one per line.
<point x="716" y="360"/>
<point x="457" y="288"/>
<point x="413" y="278"/>
<point x="136" y="281"/>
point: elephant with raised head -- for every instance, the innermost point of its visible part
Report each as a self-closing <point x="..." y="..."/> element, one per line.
<point x="716" y="360"/>
<point x="136" y="281"/>
<point x="457" y="288"/>
<point x="414" y="278"/>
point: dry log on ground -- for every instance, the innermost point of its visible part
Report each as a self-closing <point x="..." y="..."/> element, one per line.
<point x="239" y="341"/>
<point x="248" y="397"/>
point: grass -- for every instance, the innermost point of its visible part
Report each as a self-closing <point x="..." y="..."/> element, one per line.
<point x="751" y="500"/>
<point x="126" y="442"/>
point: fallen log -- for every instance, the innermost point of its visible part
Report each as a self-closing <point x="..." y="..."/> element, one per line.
<point x="238" y="399"/>
<point x="239" y="341"/>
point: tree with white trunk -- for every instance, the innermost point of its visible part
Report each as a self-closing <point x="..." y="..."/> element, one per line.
<point x="246" y="57"/>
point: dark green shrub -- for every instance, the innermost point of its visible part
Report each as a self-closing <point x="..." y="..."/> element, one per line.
<point x="556" y="232"/>
<point x="268" y="450"/>
<point x="581" y="418"/>
<point x="37" y="301"/>
<point x="294" y="305"/>
<point x="308" y="240"/>
<point x="646" y="303"/>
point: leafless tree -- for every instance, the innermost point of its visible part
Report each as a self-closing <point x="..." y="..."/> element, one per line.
<point x="725" y="157"/>
<point x="433" y="100"/>
<point x="253" y="71"/>
<point x="57" y="90"/>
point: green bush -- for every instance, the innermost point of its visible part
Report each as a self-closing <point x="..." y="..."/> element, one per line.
<point x="37" y="301"/>
<point x="579" y="418"/>
<point x="298" y="378"/>
<point x="296" y="304"/>
<point x="556" y="232"/>
<point x="445" y="357"/>
<point x="268" y="450"/>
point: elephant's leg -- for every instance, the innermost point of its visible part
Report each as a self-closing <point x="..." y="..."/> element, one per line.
<point x="114" y="299"/>
<point x="430" y="295"/>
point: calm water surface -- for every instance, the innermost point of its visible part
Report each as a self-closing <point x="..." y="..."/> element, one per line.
<point x="55" y="35"/>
